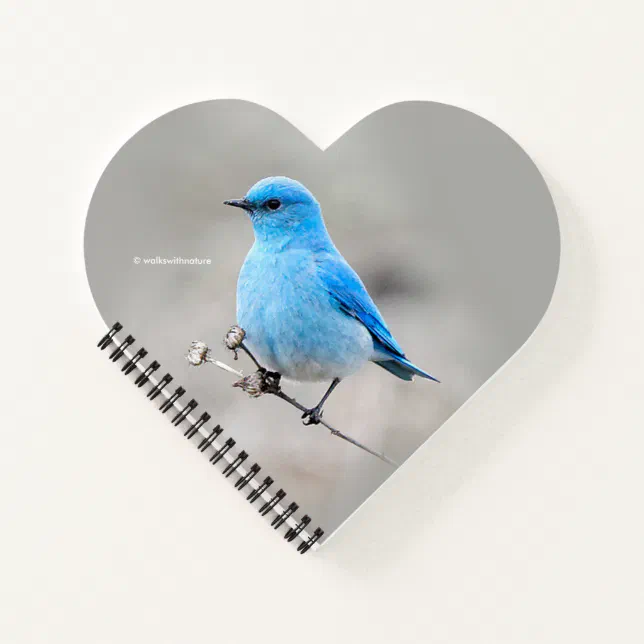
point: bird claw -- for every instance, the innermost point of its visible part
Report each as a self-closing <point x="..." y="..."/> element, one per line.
<point x="271" y="381"/>
<point x="312" y="416"/>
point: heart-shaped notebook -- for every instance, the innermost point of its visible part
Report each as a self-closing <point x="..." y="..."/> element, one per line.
<point x="444" y="217"/>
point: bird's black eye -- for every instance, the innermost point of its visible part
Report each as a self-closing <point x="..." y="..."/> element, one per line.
<point x="273" y="204"/>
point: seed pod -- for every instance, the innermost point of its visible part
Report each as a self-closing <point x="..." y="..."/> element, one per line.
<point x="198" y="353"/>
<point x="234" y="337"/>
<point x="253" y="384"/>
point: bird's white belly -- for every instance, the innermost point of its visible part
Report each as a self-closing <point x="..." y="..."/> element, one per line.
<point x="316" y="364"/>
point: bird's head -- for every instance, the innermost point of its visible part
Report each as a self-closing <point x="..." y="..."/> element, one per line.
<point x="280" y="208"/>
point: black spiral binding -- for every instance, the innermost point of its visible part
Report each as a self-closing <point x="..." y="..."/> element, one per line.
<point x="283" y="515"/>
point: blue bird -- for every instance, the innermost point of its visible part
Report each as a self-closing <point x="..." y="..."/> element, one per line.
<point x="306" y="313"/>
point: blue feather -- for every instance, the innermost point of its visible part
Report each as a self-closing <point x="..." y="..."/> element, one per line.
<point x="353" y="299"/>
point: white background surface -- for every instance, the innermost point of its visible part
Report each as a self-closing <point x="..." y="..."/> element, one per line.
<point x="519" y="521"/>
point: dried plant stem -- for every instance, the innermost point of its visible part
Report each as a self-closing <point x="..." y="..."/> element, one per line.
<point x="335" y="432"/>
<point x="265" y="382"/>
<point x="251" y="356"/>
<point x="277" y="391"/>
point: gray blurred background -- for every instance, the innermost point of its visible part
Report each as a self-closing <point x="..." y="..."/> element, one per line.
<point x="445" y="218"/>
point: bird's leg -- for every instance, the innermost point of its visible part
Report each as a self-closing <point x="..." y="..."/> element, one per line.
<point x="314" y="415"/>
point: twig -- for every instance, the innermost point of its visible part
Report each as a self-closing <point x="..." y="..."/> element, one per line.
<point x="264" y="382"/>
<point x="335" y="432"/>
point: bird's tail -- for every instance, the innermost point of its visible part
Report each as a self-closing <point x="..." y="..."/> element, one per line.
<point x="401" y="367"/>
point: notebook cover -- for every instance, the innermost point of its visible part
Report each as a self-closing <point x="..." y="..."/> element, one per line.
<point x="444" y="217"/>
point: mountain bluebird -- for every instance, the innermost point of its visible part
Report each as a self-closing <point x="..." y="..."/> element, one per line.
<point x="306" y="313"/>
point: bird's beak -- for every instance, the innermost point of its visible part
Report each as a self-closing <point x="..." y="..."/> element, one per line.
<point x="240" y="203"/>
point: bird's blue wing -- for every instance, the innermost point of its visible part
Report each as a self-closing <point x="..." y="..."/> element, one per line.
<point x="351" y="297"/>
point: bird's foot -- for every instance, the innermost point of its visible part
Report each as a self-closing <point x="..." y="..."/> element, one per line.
<point x="313" y="416"/>
<point x="271" y="381"/>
